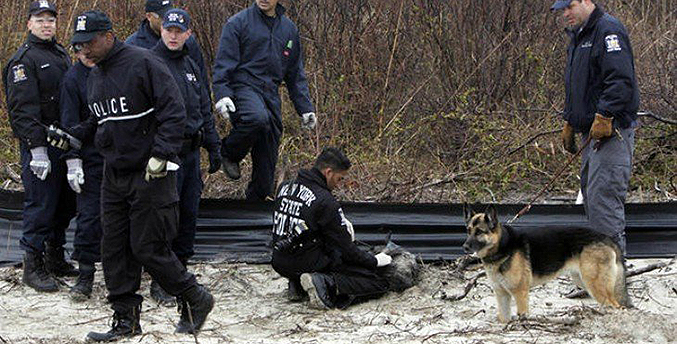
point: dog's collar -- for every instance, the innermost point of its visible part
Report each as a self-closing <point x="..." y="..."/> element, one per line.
<point x="500" y="254"/>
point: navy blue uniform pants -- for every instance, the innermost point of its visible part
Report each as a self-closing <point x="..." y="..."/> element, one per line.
<point x="257" y="127"/>
<point x="189" y="187"/>
<point x="87" y="241"/>
<point x="139" y="220"/>
<point x="49" y="205"/>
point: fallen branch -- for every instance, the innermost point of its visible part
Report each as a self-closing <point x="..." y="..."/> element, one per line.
<point x="532" y="140"/>
<point x="656" y="117"/>
<point x="466" y="290"/>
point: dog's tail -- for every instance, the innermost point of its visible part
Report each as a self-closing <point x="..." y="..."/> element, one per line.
<point x="620" y="287"/>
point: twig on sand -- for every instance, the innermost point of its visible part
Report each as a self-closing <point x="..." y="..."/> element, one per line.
<point x="91" y="321"/>
<point x="466" y="290"/>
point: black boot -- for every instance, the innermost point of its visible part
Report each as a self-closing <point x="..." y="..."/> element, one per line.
<point x="161" y="296"/>
<point x="35" y="275"/>
<point x="125" y="325"/>
<point x="295" y="292"/>
<point x="231" y="168"/>
<point x="83" y="287"/>
<point x="56" y="264"/>
<point x="197" y="303"/>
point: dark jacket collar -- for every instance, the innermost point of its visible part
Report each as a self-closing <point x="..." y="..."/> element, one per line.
<point x="117" y="47"/>
<point x="146" y="32"/>
<point x="161" y="49"/>
<point x="313" y="175"/>
<point x="33" y="39"/>
<point x="279" y="10"/>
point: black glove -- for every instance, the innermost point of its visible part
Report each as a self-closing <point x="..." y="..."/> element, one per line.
<point x="214" y="162"/>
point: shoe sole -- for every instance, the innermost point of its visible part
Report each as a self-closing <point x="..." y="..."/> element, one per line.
<point x="41" y="290"/>
<point x="309" y="287"/>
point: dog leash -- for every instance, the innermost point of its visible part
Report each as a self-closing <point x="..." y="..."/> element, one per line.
<point x="528" y="206"/>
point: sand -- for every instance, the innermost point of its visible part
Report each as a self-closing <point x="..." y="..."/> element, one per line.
<point x="251" y="308"/>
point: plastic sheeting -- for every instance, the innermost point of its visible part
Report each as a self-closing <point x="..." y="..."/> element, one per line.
<point x="231" y="230"/>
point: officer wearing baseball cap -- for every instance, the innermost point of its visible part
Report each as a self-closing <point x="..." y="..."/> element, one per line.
<point x="199" y="130"/>
<point x="139" y="125"/>
<point x="31" y="81"/>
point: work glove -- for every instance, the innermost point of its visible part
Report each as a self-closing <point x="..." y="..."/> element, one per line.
<point x="308" y="120"/>
<point x="214" y="161"/>
<point x="156" y="168"/>
<point x="40" y="164"/>
<point x="225" y="107"/>
<point x="602" y="127"/>
<point x="383" y="259"/>
<point x="568" y="139"/>
<point x="75" y="174"/>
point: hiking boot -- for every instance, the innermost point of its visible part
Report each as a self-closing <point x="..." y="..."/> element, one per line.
<point x="125" y="325"/>
<point x="35" y="275"/>
<point x="161" y="296"/>
<point x="197" y="302"/>
<point x="317" y="286"/>
<point x="56" y="264"/>
<point x="82" y="289"/>
<point x="295" y="292"/>
<point x="231" y="168"/>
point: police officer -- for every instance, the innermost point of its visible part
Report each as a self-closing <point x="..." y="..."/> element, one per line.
<point x="199" y="129"/>
<point x="139" y="124"/>
<point x="602" y="99"/>
<point x="85" y="168"/>
<point x="313" y="242"/>
<point x="31" y="79"/>
<point x="148" y="34"/>
<point x="259" y="48"/>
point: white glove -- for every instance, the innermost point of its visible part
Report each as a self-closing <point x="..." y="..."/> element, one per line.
<point x="225" y="106"/>
<point x="383" y="259"/>
<point x="75" y="174"/>
<point x="40" y="164"/>
<point x="308" y="120"/>
<point x="156" y="168"/>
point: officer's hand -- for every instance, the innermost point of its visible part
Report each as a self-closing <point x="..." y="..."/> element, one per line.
<point x="75" y="174"/>
<point x="40" y="164"/>
<point x="602" y="127"/>
<point x="383" y="259"/>
<point x="56" y="139"/>
<point x="156" y="168"/>
<point x="225" y="107"/>
<point x="214" y="161"/>
<point x="308" y="120"/>
<point x="568" y="139"/>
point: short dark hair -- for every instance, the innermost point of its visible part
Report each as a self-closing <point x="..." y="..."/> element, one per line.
<point x="332" y="157"/>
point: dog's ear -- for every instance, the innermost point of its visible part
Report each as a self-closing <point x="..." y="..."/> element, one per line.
<point x="491" y="216"/>
<point x="468" y="213"/>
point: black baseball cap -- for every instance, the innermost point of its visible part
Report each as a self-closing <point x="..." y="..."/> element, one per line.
<point x="158" y="6"/>
<point x="560" y="4"/>
<point x="88" y="24"/>
<point x="37" y="7"/>
<point x="176" y="17"/>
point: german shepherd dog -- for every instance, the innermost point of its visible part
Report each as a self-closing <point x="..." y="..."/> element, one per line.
<point x="517" y="260"/>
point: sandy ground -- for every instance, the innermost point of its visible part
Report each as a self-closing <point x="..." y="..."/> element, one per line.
<point x="251" y="308"/>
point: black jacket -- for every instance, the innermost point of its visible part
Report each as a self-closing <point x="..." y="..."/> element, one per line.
<point x="600" y="74"/>
<point x="196" y="97"/>
<point x="146" y="38"/>
<point x="309" y="200"/>
<point x="31" y="79"/>
<point x="261" y="52"/>
<point x="74" y="110"/>
<point x="137" y="107"/>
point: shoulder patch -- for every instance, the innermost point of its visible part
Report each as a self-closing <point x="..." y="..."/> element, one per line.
<point x="19" y="73"/>
<point x="612" y="43"/>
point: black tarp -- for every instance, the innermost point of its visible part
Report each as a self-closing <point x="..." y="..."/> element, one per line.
<point x="235" y="230"/>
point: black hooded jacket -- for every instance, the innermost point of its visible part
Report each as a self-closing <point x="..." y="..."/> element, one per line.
<point x="327" y="239"/>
